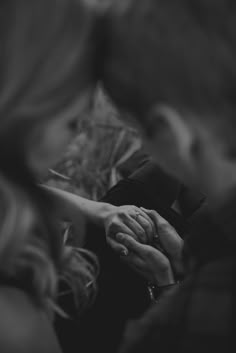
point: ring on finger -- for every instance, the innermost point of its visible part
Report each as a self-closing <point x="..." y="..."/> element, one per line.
<point x="137" y="213"/>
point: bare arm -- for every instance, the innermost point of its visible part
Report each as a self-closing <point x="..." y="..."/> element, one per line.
<point x="74" y="208"/>
<point x="113" y="219"/>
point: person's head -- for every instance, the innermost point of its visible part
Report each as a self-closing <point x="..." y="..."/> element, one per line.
<point x="48" y="75"/>
<point x="171" y="65"/>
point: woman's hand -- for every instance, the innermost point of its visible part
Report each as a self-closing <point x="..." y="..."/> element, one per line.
<point x="149" y="262"/>
<point x="129" y="220"/>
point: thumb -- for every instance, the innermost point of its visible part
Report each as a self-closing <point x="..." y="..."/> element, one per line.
<point x="130" y="243"/>
<point x="154" y="217"/>
<point x="118" y="248"/>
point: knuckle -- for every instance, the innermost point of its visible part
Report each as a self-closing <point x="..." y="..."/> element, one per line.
<point x="123" y="215"/>
<point x="143" y="220"/>
<point x="114" y="220"/>
<point x="126" y="243"/>
<point x="120" y="237"/>
<point x="112" y="227"/>
<point x="141" y="234"/>
<point x="164" y="225"/>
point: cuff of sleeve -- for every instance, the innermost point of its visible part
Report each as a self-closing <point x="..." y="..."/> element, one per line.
<point x="155" y="292"/>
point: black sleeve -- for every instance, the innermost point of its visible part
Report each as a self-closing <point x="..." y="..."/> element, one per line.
<point x="122" y="294"/>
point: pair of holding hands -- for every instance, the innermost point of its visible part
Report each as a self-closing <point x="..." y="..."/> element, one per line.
<point x="146" y="242"/>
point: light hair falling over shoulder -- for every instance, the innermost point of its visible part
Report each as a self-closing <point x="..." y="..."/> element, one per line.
<point x="46" y="60"/>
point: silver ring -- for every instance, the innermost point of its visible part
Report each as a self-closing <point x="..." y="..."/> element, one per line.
<point x="136" y="215"/>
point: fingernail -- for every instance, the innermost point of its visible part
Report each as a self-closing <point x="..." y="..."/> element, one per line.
<point x="119" y="237"/>
<point x="124" y="252"/>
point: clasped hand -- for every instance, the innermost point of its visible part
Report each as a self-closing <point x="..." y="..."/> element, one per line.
<point x="146" y="242"/>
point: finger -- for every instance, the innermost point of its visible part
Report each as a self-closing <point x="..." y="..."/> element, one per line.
<point x="145" y="215"/>
<point x="171" y="242"/>
<point x="121" y="227"/>
<point x="130" y="243"/>
<point x="154" y="266"/>
<point x="118" y="248"/>
<point x="128" y="216"/>
<point x="155" y="220"/>
<point x="136" y="228"/>
<point x="156" y="217"/>
<point x="147" y="225"/>
<point x="165" y="230"/>
<point x="158" y="220"/>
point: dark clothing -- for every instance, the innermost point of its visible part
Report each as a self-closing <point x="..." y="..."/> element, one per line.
<point x="199" y="315"/>
<point x="123" y="295"/>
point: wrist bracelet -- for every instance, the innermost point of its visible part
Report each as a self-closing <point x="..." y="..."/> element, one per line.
<point x="156" y="291"/>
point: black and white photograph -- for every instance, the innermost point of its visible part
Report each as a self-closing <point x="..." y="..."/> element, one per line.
<point x="117" y="176"/>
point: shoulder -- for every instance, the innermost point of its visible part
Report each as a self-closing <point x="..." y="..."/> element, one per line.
<point x="24" y="328"/>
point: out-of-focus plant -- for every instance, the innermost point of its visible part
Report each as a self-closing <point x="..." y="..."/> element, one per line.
<point x="93" y="162"/>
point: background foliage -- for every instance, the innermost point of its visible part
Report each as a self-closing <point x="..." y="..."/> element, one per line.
<point x="104" y="151"/>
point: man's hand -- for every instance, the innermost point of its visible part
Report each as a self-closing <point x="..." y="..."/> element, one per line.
<point x="149" y="262"/>
<point x="168" y="239"/>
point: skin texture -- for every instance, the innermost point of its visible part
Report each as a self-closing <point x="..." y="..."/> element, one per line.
<point x="158" y="262"/>
<point x="134" y="233"/>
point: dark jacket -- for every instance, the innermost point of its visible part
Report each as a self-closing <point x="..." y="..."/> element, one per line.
<point x="198" y="315"/>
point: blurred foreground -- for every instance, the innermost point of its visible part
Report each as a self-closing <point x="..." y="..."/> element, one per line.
<point x="104" y="151"/>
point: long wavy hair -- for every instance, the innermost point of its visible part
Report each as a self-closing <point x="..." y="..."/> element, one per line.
<point x="46" y="61"/>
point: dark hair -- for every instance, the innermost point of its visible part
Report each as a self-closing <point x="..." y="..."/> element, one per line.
<point x="180" y="53"/>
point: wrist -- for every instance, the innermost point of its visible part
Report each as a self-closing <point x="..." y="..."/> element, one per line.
<point x="164" y="278"/>
<point x="105" y="209"/>
<point x="156" y="292"/>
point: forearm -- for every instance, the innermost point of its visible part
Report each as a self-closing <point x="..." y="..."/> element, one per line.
<point x="70" y="207"/>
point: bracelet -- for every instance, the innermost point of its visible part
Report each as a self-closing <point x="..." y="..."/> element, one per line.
<point x="156" y="291"/>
